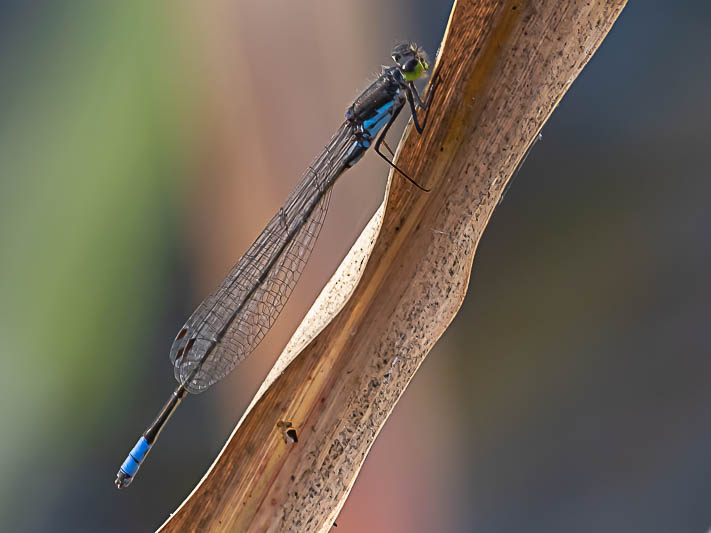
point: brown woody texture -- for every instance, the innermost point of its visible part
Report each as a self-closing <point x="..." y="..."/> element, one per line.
<point x="504" y="66"/>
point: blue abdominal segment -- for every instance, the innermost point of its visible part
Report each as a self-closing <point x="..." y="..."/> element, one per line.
<point x="135" y="458"/>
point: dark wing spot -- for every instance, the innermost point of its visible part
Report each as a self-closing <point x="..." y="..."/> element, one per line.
<point x="189" y="345"/>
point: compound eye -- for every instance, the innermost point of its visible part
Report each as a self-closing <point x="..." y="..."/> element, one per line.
<point x="410" y="65"/>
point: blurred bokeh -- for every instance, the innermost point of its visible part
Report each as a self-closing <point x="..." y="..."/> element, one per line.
<point x="144" y="145"/>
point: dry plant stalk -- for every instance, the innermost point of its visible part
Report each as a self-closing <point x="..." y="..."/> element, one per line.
<point x="505" y="65"/>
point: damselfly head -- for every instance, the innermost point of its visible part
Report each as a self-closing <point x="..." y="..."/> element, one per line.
<point x="411" y="60"/>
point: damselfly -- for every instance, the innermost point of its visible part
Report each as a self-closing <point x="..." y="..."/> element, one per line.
<point x="231" y="322"/>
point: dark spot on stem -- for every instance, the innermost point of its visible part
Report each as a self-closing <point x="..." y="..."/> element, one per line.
<point x="291" y="433"/>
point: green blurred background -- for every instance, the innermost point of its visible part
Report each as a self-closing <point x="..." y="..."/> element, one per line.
<point x="144" y="145"/>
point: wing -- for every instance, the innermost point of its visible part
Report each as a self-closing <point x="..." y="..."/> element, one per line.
<point x="231" y="322"/>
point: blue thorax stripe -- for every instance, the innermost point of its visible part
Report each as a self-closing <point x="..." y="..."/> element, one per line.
<point x="379" y="119"/>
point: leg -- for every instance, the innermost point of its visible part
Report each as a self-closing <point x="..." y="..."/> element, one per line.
<point x="381" y="140"/>
<point x="419" y="127"/>
<point x="385" y="144"/>
<point x="413" y="96"/>
<point x="430" y="93"/>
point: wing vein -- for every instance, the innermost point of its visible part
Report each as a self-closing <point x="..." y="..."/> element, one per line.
<point x="232" y="321"/>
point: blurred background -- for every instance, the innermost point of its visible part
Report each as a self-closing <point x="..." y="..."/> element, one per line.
<point x="144" y="146"/>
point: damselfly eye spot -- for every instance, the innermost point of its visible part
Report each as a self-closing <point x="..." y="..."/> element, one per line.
<point x="182" y="334"/>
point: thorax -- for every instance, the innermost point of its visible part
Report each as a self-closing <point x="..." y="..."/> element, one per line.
<point x="384" y="95"/>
